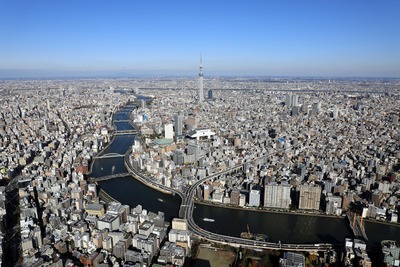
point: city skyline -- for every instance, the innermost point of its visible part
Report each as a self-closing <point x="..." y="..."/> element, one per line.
<point x="75" y="39"/>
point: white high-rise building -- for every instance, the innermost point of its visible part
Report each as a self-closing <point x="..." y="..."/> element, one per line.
<point x="254" y="198"/>
<point x="168" y="131"/>
<point x="295" y="100"/>
<point x="201" y="92"/>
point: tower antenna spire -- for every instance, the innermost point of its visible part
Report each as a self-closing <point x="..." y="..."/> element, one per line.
<point x="201" y="93"/>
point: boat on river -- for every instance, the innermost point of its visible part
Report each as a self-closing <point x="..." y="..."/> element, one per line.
<point x="257" y="237"/>
<point x="208" y="220"/>
<point x="247" y="235"/>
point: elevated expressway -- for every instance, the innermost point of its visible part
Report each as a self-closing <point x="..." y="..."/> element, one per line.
<point x="187" y="206"/>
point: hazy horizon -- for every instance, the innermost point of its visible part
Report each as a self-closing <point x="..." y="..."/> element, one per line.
<point x="236" y="38"/>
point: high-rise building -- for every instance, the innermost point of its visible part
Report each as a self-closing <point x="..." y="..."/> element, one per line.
<point x="29" y="103"/>
<point x="193" y="149"/>
<point x="295" y="100"/>
<point x="210" y="95"/>
<point x="335" y="112"/>
<point x="310" y="196"/>
<point x="254" y="198"/>
<point x="119" y="249"/>
<point x="334" y="205"/>
<point x="178" y="124"/>
<point x="142" y="103"/>
<point x="288" y="101"/>
<point x="295" y="111"/>
<point x="316" y="108"/>
<point x="277" y="196"/>
<point x="235" y="195"/>
<point x="201" y="92"/>
<point x="168" y="131"/>
<point x="206" y="192"/>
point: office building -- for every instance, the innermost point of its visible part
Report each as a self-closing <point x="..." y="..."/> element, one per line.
<point x="178" y="124"/>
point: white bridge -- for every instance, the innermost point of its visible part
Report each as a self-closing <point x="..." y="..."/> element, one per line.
<point x="109" y="155"/>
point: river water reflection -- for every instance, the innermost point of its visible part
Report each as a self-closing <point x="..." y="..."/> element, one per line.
<point x="287" y="228"/>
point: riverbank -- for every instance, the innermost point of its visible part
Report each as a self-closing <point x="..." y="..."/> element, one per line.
<point x="99" y="154"/>
<point x="382" y="222"/>
<point x="268" y="210"/>
<point x="292" y="212"/>
<point x="139" y="178"/>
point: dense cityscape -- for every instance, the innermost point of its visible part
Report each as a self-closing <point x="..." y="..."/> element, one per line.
<point x="204" y="134"/>
<point x="315" y="147"/>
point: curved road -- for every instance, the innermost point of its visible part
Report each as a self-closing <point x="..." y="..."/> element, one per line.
<point x="187" y="206"/>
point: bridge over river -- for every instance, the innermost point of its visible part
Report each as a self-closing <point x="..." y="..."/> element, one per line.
<point x="109" y="177"/>
<point x="109" y="155"/>
<point x="125" y="132"/>
<point x="186" y="212"/>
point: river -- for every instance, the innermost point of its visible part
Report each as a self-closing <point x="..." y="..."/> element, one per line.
<point x="284" y="227"/>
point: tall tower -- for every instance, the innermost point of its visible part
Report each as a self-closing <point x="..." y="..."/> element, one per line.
<point x="201" y="93"/>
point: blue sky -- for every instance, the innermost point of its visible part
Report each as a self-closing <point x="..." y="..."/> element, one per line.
<point x="296" y="38"/>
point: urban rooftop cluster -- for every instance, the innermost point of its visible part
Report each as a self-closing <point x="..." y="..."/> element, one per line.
<point x="49" y="135"/>
<point x="309" y="145"/>
<point x="320" y="150"/>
